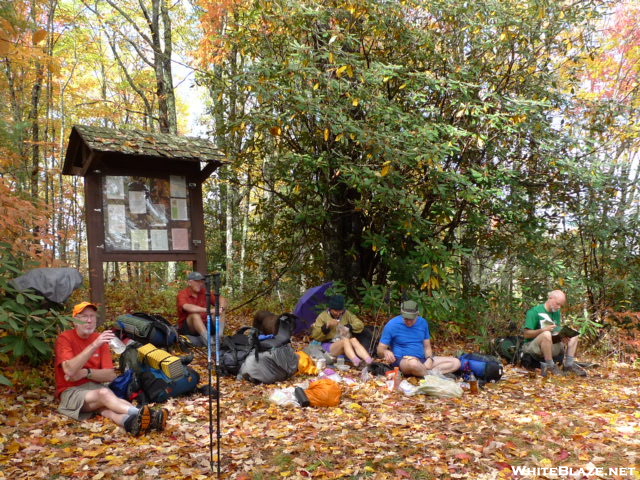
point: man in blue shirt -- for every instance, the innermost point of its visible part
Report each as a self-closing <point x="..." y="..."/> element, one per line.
<point x="406" y="342"/>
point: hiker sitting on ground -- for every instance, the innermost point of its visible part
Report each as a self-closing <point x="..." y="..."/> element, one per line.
<point x="83" y="362"/>
<point x="538" y="340"/>
<point x="334" y="329"/>
<point x="192" y="308"/>
<point x="406" y="342"/>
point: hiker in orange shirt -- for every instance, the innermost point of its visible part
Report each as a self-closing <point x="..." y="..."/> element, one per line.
<point x="83" y="365"/>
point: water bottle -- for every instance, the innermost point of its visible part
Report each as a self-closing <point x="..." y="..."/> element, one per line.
<point x="393" y="379"/>
<point x="397" y="378"/>
<point x="117" y="346"/>
<point x="473" y="384"/>
<point x="321" y="364"/>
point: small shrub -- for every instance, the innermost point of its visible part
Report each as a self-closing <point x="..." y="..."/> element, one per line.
<point x="30" y="326"/>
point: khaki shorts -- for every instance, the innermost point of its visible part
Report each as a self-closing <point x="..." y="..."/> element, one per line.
<point x="533" y="348"/>
<point x="72" y="401"/>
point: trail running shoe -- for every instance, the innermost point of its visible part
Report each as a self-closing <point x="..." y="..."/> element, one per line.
<point x="159" y="418"/>
<point x="137" y="424"/>
<point x="575" y="369"/>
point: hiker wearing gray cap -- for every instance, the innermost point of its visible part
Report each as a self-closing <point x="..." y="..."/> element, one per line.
<point x="406" y="342"/>
<point x="192" y="308"/>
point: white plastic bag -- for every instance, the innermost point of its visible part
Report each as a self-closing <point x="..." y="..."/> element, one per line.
<point x="284" y="397"/>
<point x="435" y="386"/>
<point x="407" y="388"/>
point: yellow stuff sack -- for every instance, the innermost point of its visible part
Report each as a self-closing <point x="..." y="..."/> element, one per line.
<point x="159" y="359"/>
<point x="306" y="365"/>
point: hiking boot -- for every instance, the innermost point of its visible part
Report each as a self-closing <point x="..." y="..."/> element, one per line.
<point x="186" y="359"/>
<point x="575" y="369"/>
<point x="139" y="423"/>
<point x="550" y="369"/>
<point x="159" y="418"/>
<point x="206" y="390"/>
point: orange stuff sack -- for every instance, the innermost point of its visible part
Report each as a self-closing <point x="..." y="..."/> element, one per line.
<point x="324" y="393"/>
<point x="306" y="365"/>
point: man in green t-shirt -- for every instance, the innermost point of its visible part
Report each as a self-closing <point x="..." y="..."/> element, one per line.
<point x="541" y="321"/>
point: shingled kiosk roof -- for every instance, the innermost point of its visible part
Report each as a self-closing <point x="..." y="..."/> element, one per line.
<point x="90" y="146"/>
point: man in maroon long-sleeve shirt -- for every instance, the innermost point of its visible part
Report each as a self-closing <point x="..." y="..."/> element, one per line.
<point x="192" y="308"/>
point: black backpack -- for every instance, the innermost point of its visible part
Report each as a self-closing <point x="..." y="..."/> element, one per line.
<point x="147" y="328"/>
<point x="379" y="369"/>
<point x="510" y="348"/>
<point x="234" y="349"/>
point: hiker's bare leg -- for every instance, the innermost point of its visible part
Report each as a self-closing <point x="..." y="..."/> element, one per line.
<point x="546" y="346"/>
<point x="358" y="348"/>
<point x="572" y="346"/>
<point x="413" y="366"/>
<point x="223" y="313"/>
<point x="344" y="347"/>
<point x="196" y="324"/>
<point x="445" y="364"/>
<point x="117" y="418"/>
<point x="104" y="398"/>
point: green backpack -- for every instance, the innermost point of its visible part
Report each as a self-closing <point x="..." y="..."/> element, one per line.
<point x="509" y="348"/>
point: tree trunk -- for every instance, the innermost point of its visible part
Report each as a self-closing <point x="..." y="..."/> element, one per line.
<point x="342" y="241"/>
<point x="229" y="239"/>
<point x="160" y="27"/>
<point x="245" y="230"/>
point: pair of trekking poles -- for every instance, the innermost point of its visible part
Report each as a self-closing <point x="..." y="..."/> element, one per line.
<point x="216" y="285"/>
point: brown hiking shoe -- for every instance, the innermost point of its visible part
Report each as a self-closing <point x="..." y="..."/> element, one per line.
<point x="139" y="423"/>
<point x="159" y="418"/>
<point x="575" y="369"/>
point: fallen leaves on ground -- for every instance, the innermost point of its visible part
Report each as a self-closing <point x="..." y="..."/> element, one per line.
<point x="520" y="421"/>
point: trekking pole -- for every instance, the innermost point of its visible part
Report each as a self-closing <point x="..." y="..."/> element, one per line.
<point x="375" y="321"/>
<point x="279" y="295"/>
<point x="216" y="278"/>
<point x="207" y="279"/>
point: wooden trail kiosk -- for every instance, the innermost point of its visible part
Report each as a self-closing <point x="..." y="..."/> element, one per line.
<point x="143" y="196"/>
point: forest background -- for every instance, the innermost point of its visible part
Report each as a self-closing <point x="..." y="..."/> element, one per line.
<point x="472" y="156"/>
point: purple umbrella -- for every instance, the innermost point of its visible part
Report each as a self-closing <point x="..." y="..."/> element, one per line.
<point x="307" y="308"/>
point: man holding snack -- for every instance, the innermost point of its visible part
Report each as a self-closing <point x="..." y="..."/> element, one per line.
<point x="540" y="341"/>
